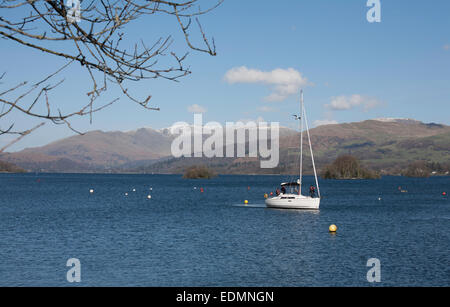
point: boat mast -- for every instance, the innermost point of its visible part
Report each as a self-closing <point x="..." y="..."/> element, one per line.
<point x="301" y="143"/>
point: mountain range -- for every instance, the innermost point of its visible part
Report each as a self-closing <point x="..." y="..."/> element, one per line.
<point x="386" y="145"/>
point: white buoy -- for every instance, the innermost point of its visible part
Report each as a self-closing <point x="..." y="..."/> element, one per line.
<point x="149" y="196"/>
<point x="134" y="190"/>
<point x="195" y="188"/>
<point x="126" y="194"/>
<point x="91" y="191"/>
<point x="379" y="198"/>
<point x="151" y="189"/>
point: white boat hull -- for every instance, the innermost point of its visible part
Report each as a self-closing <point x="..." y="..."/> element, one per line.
<point x="293" y="201"/>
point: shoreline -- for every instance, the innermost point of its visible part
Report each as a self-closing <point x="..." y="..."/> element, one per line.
<point x="218" y="175"/>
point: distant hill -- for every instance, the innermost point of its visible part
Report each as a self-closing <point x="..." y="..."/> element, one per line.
<point x="385" y="145"/>
<point x="95" y="151"/>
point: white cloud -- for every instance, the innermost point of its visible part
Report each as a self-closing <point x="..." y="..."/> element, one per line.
<point x="322" y="122"/>
<point x="341" y="103"/>
<point x="285" y="82"/>
<point x="446" y="47"/>
<point x="195" y="108"/>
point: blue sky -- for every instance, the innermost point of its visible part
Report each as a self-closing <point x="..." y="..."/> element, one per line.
<point x="350" y="69"/>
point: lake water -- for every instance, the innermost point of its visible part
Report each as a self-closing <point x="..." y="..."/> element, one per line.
<point x="183" y="237"/>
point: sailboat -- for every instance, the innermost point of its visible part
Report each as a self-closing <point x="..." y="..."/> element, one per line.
<point x="295" y="200"/>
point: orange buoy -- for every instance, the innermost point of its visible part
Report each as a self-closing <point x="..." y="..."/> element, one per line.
<point x="271" y="193"/>
<point x="201" y="190"/>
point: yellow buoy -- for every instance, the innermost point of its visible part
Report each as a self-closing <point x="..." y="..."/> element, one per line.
<point x="332" y="228"/>
<point x="246" y="202"/>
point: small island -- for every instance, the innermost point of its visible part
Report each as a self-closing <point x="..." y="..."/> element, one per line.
<point x="418" y="169"/>
<point x="6" y="167"/>
<point x="348" y="167"/>
<point x="425" y="169"/>
<point x="199" y="172"/>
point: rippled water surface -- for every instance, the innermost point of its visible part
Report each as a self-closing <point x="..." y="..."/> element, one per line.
<point x="183" y="237"/>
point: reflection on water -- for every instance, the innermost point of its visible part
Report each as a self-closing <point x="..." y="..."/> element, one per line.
<point x="250" y="205"/>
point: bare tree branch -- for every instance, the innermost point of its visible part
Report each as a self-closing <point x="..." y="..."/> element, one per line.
<point x="99" y="44"/>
